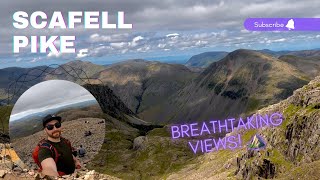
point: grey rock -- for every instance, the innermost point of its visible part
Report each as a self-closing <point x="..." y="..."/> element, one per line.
<point x="139" y="143"/>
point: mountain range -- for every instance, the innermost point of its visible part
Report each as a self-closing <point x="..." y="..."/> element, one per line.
<point x="141" y="99"/>
<point x="203" y="60"/>
<point x="241" y="82"/>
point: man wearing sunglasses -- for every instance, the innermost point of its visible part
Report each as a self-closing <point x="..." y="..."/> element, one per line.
<point x="55" y="153"/>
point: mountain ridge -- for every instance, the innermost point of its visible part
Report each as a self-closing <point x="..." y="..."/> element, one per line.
<point x="241" y="82"/>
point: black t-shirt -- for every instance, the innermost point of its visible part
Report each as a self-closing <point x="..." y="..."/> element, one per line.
<point x="65" y="161"/>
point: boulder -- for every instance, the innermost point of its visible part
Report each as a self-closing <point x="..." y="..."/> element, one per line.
<point x="139" y="143"/>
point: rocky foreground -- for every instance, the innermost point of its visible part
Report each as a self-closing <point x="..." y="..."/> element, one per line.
<point x="83" y="174"/>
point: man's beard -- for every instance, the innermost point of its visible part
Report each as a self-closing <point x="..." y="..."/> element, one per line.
<point x="55" y="134"/>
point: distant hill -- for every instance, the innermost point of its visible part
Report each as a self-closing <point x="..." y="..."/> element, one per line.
<point x="306" y="53"/>
<point x="243" y="81"/>
<point x="308" y="65"/>
<point x="71" y="71"/>
<point x="142" y="84"/>
<point x="205" y="59"/>
<point x="9" y="76"/>
<point x="300" y="53"/>
<point x="273" y="53"/>
<point x="75" y="70"/>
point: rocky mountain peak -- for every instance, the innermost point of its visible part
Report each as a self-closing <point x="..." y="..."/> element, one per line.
<point x="247" y="55"/>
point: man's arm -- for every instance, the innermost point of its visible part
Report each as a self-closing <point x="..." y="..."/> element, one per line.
<point x="49" y="167"/>
<point x="76" y="162"/>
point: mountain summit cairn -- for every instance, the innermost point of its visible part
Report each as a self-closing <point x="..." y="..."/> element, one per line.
<point x="256" y="143"/>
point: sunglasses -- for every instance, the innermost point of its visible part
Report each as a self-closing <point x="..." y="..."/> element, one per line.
<point x="51" y="126"/>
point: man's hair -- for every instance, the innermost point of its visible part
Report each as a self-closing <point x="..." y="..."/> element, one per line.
<point x="49" y="118"/>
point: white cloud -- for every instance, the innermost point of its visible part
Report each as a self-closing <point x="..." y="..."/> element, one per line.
<point x="172" y="35"/>
<point x="201" y="35"/>
<point x="201" y="43"/>
<point x="36" y="59"/>
<point x="269" y="41"/>
<point x="137" y="38"/>
<point x="82" y="53"/>
<point x="124" y="51"/>
<point x="135" y="41"/>
<point x="52" y="54"/>
<point x="143" y="49"/>
<point x="97" y="38"/>
<point x="279" y="40"/>
<point x="119" y="44"/>
<point x="93" y="36"/>
<point x="159" y="16"/>
<point x="101" y="51"/>
<point x="244" y="31"/>
<point x="161" y="45"/>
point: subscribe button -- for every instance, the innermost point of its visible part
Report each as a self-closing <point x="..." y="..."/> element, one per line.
<point x="282" y="24"/>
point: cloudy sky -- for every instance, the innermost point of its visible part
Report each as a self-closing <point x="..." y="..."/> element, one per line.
<point x="161" y="29"/>
<point x="48" y="95"/>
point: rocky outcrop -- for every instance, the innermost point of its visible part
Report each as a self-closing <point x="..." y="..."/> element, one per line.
<point x="291" y="152"/>
<point x="139" y="143"/>
<point x="113" y="106"/>
<point x="294" y="143"/>
<point x="108" y="101"/>
<point x="248" y="166"/>
<point x="4" y="138"/>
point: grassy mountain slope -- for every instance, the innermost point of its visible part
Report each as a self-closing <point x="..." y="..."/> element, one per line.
<point x="292" y="150"/>
<point x="75" y="71"/>
<point x="242" y="82"/>
<point x="142" y="84"/>
<point x="134" y="149"/>
<point x="308" y="65"/>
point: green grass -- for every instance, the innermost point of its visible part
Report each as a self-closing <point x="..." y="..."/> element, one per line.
<point x="313" y="108"/>
<point x="163" y="132"/>
<point x="289" y="112"/>
<point x="277" y="158"/>
<point x="248" y="135"/>
<point x="253" y="104"/>
<point x="5" y="112"/>
<point x="158" y="159"/>
<point x="304" y="171"/>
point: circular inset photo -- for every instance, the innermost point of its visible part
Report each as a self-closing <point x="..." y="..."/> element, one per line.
<point x="56" y="127"/>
